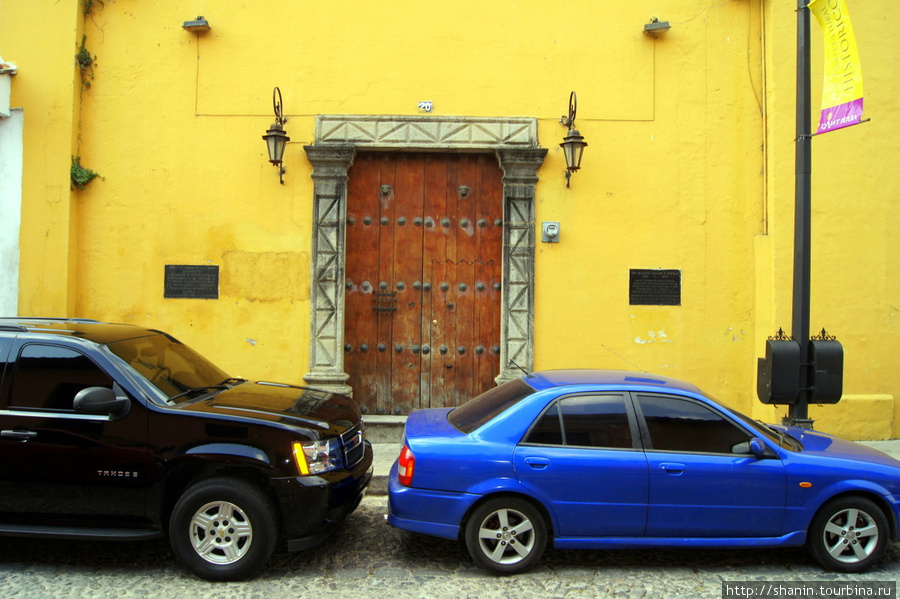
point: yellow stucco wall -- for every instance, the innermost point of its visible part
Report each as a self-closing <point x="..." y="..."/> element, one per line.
<point x="689" y="166"/>
<point x="42" y="43"/>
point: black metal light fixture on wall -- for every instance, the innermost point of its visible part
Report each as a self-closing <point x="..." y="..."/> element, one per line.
<point x="199" y="25"/>
<point x="573" y="144"/>
<point x="655" y="27"/>
<point x="276" y="138"/>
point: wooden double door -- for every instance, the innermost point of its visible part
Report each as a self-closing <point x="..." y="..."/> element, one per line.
<point x="423" y="279"/>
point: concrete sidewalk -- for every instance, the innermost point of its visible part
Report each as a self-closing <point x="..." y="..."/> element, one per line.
<point x="386" y="453"/>
<point x="890" y="447"/>
<point x="385" y="456"/>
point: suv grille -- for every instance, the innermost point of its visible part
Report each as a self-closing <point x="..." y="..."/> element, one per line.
<point x="353" y="442"/>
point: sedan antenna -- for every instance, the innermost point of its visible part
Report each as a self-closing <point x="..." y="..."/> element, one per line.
<point x="623" y="358"/>
<point x="520" y="368"/>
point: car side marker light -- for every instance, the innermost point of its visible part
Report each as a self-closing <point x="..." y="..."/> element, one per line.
<point x="805" y="485"/>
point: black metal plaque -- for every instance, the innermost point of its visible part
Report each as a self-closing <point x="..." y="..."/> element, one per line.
<point x="654" y="287"/>
<point x="188" y="281"/>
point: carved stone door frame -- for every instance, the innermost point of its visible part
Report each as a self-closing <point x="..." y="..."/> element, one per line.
<point x="338" y="138"/>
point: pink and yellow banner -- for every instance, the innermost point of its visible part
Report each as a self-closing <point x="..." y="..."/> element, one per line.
<point x="842" y="95"/>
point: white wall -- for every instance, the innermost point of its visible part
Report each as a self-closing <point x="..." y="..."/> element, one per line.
<point x="10" y="210"/>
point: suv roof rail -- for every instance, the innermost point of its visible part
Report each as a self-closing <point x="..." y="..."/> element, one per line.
<point x="13" y="327"/>
<point x="31" y="319"/>
<point x="23" y="324"/>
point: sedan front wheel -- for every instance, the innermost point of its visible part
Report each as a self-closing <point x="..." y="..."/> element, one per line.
<point x="849" y="534"/>
<point x="506" y="535"/>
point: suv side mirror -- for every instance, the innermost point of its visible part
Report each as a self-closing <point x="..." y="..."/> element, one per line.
<point x="100" y="401"/>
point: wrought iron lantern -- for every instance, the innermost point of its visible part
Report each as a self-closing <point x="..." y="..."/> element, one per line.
<point x="276" y="138"/>
<point x="573" y="144"/>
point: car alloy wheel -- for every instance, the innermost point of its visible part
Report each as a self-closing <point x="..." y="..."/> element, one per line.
<point x="849" y="535"/>
<point x="506" y="535"/>
<point x="221" y="532"/>
<point x="223" y="529"/>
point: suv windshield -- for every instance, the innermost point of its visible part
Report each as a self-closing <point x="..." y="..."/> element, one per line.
<point x="477" y="411"/>
<point x="168" y="364"/>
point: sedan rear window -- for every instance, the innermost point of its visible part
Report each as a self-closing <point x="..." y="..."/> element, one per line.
<point x="476" y="412"/>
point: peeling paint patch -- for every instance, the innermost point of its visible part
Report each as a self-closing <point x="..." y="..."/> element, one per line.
<point x="654" y="337"/>
<point x="251" y="341"/>
<point x="241" y="272"/>
<point x="735" y="335"/>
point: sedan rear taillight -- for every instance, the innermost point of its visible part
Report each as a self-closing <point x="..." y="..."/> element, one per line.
<point x="405" y="466"/>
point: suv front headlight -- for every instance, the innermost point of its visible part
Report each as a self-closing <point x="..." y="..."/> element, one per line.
<point x="317" y="457"/>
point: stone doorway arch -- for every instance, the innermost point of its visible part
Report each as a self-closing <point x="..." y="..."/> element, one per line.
<point x="338" y="138"/>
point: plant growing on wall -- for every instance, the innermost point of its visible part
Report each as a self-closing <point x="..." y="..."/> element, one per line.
<point x="81" y="176"/>
<point x="89" y="6"/>
<point x="85" y="62"/>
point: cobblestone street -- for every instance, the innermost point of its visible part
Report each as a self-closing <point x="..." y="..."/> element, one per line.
<point x="368" y="558"/>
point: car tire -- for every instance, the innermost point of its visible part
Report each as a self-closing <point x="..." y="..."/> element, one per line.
<point x="224" y="529"/>
<point x="506" y="535"/>
<point x="849" y="534"/>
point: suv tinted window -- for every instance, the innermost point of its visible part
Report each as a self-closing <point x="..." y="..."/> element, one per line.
<point x="479" y="410"/>
<point x="586" y="421"/>
<point x="167" y="363"/>
<point x="677" y="424"/>
<point x="47" y="377"/>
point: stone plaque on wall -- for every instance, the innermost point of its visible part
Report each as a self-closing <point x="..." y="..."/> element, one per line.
<point x="188" y="281"/>
<point x="654" y="287"/>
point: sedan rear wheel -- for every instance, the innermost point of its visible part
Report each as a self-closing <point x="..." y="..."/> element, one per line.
<point x="849" y="534"/>
<point x="506" y="535"/>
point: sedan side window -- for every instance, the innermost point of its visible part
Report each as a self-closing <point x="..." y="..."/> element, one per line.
<point x="678" y="424"/>
<point x="547" y="430"/>
<point x="48" y="377"/>
<point x="584" y="421"/>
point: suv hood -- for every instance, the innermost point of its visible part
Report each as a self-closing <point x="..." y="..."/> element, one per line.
<point x="274" y="402"/>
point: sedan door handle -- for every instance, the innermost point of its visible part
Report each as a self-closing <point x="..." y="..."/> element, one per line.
<point x="672" y="468"/>
<point x="18" y="435"/>
<point x="537" y="463"/>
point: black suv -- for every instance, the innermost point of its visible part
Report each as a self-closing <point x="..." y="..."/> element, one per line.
<point x="119" y="432"/>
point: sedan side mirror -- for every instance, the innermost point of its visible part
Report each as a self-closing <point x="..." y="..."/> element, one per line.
<point x="101" y="401"/>
<point x="757" y="447"/>
<point x="754" y="447"/>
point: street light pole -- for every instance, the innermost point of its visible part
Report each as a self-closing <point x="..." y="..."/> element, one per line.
<point x="799" y="411"/>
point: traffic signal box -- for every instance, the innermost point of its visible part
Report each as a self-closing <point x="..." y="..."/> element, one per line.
<point x="827" y="357"/>
<point x="779" y="373"/>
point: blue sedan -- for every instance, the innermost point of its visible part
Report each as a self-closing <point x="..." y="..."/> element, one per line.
<point x="594" y="459"/>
